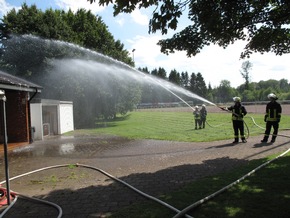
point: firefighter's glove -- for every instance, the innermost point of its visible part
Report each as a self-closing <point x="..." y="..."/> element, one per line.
<point x="265" y="118"/>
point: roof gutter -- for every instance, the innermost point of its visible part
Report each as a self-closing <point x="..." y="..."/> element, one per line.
<point x="34" y="94"/>
<point x="19" y="88"/>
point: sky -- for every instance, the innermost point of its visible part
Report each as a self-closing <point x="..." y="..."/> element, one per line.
<point x="213" y="62"/>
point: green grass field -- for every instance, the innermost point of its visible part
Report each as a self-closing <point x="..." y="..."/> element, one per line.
<point x="178" y="126"/>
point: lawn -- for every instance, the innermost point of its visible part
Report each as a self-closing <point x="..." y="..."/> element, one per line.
<point x="178" y="126"/>
<point x="264" y="194"/>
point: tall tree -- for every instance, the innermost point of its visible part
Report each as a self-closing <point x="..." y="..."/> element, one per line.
<point x="224" y="92"/>
<point x="200" y="85"/>
<point x="245" y="72"/>
<point x="197" y="84"/>
<point x="144" y="70"/>
<point x="160" y="72"/>
<point x="192" y="83"/>
<point x="184" y="80"/>
<point x="174" y="77"/>
<point x="263" y="24"/>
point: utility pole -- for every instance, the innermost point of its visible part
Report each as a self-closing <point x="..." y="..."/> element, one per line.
<point x="133" y="53"/>
<point x="3" y="98"/>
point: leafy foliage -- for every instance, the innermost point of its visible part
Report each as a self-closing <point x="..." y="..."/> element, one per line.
<point x="82" y="28"/>
<point x="264" y="24"/>
<point x="45" y="62"/>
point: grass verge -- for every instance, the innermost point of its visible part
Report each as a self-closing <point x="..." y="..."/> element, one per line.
<point x="264" y="194"/>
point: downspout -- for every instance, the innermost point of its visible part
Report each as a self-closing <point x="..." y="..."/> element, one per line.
<point x="29" y="116"/>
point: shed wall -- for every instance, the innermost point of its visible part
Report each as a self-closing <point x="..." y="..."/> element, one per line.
<point x="66" y="120"/>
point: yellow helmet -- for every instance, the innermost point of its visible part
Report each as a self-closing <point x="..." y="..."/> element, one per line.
<point x="237" y="99"/>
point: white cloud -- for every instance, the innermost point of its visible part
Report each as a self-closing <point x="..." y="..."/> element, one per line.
<point x="120" y="21"/>
<point x="5" y="7"/>
<point x="146" y="52"/>
<point x="74" y="5"/>
<point x="214" y="63"/>
<point x="140" y="18"/>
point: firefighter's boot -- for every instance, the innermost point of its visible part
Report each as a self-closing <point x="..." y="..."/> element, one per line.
<point x="265" y="139"/>
<point x="273" y="139"/>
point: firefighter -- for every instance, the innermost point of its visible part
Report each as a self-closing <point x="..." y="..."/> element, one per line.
<point x="238" y="112"/>
<point x="203" y="114"/>
<point x="196" y="114"/>
<point x="272" y="117"/>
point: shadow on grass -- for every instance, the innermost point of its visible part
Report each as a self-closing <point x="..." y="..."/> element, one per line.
<point x="102" y="123"/>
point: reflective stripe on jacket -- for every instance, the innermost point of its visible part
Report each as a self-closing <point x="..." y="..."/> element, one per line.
<point x="238" y="112"/>
<point x="273" y="111"/>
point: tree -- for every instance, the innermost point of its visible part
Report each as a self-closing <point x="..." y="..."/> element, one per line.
<point x="174" y="77"/>
<point x="184" y="80"/>
<point x="144" y="70"/>
<point x="245" y="72"/>
<point x="200" y="85"/>
<point x="82" y="28"/>
<point x="46" y="58"/>
<point x="284" y="85"/>
<point x="161" y="72"/>
<point x="263" y="24"/>
<point x="192" y="83"/>
<point x="224" y="92"/>
<point x="197" y="85"/>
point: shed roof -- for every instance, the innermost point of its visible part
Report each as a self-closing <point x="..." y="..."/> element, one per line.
<point x="8" y="81"/>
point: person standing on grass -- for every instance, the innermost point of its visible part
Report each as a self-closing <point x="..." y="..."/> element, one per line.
<point x="203" y="114"/>
<point x="196" y="114"/>
<point x="238" y="113"/>
<point x="272" y="117"/>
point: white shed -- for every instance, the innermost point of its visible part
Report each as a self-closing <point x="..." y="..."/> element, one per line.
<point x="51" y="117"/>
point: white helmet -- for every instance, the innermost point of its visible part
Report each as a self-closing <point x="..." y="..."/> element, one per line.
<point x="196" y="107"/>
<point x="272" y="96"/>
<point x="237" y="99"/>
<point x="203" y="105"/>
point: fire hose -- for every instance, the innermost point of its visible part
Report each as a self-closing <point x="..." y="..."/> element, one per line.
<point x="192" y="206"/>
<point x="84" y="166"/>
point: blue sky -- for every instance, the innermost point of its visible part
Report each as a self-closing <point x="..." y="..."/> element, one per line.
<point x="214" y="63"/>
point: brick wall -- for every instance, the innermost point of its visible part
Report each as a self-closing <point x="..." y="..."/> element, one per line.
<point x="16" y="116"/>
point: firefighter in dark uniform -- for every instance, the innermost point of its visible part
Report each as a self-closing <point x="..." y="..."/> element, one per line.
<point x="238" y="113"/>
<point x="196" y="114"/>
<point x="203" y="114"/>
<point x="272" y="117"/>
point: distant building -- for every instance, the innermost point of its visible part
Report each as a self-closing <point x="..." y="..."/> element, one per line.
<point x="19" y="93"/>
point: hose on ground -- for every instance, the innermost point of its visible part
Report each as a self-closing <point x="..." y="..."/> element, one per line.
<point x="192" y="206"/>
<point x="9" y="206"/>
<point x="99" y="170"/>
